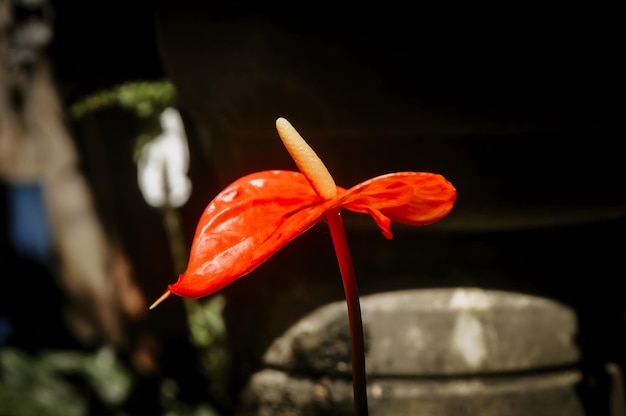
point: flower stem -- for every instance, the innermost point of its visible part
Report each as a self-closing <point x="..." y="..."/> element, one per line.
<point x="359" y="384"/>
<point x="313" y="168"/>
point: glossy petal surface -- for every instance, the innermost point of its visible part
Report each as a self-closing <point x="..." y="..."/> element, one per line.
<point x="244" y="225"/>
<point x="412" y="198"/>
<point x="258" y="214"/>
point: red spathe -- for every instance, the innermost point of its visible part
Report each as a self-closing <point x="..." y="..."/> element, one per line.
<point x="258" y="214"/>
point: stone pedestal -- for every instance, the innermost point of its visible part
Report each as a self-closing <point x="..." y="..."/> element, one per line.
<point x="429" y="352"/>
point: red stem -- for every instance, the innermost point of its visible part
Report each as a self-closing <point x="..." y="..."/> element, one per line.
<point x="359" y="385"/>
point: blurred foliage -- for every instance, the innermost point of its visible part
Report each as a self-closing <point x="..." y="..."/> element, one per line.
<point x="42" y="384"/>
<point x="175" y="407"/>
<point x="208" y="334"/>
<point x="67" y="383"/>
<point x="145" y="99"/>
<point x="72" y="382"/>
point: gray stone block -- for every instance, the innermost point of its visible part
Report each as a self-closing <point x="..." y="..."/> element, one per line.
<point x="434" y="332"/>
<point x="276" y="393"/>
<point x="429" y="352"/>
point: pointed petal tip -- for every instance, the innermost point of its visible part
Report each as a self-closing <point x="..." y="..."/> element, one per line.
<point x="164" y="296"/>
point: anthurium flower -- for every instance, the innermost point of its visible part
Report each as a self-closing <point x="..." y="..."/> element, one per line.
<point x="258" y="214"/>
